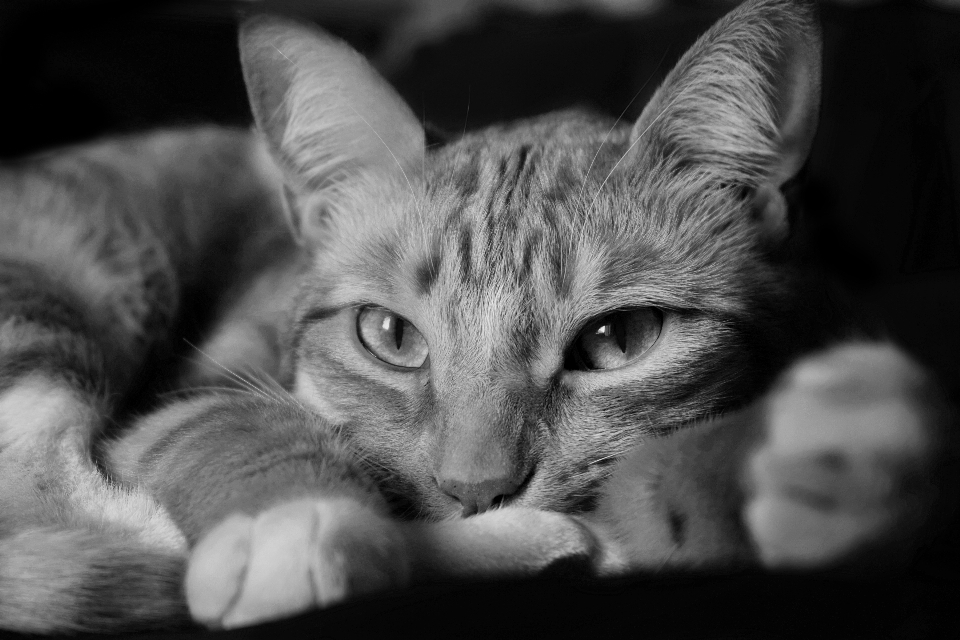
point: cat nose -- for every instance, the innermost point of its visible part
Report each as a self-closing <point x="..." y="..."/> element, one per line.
<point x="477" y="497"/>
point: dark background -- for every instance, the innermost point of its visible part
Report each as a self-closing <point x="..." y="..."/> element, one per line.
<point x="883" y="189"/>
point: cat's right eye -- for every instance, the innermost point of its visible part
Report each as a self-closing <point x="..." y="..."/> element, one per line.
<point x="615" y="340"/>
<point x="391" y="338"/>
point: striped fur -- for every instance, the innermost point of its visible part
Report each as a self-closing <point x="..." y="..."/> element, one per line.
<point x="100" y="248"/>
<point x="292" y="469"/>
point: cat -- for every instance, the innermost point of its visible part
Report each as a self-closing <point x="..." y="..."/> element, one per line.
<point x="559" y="338"/>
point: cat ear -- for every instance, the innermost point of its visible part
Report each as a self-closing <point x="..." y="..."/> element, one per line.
<point x="328" y="118"/>
<point x="741" y="105"/>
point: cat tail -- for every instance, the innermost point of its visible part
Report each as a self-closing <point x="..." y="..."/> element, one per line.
<point x="57" y="580"/>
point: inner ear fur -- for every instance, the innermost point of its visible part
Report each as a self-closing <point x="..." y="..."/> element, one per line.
<point x="741" y="105"/>
<point x="327" y="117"/>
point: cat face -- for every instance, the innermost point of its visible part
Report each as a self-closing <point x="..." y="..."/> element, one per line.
<point x="491" y="314"/>
<point x="499" y="318"/>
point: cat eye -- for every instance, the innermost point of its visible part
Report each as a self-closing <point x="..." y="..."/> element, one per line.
<point x="391" y="338"/>
<point x="615" y="340"/>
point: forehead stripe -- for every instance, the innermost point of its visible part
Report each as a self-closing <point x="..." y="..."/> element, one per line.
<point x="426" y="273"/>
<point x="522" y="155"/>
<point x="466" y="249"/>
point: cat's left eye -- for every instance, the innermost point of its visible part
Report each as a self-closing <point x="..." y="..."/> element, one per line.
<point x="391" y="338"/>
<point x="615" y="340"/>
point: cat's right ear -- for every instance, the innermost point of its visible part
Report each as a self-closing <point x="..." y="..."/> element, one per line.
<point x="330" y="121"/>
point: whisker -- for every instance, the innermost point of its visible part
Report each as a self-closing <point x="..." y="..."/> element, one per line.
<point x="366" y="458"/>
<point x="285" y="57"/>
<point x="467" y="116"/>
<point x="282" y="105"/>
<point x="666" y="560"/>
<point x="632" y="145"/>
<point x="397" y="161"/>
<point x="423" y="124"/>
<point x="465" y="119"/>
<point x="583" y="185"/>
<point x="269" y="384"/>
<point x="598" y="460"/>
<point x="235" y="376"/>
<point x="188" y="390"/>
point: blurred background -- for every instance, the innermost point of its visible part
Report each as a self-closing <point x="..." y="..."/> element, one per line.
<point x="883" y="181"/>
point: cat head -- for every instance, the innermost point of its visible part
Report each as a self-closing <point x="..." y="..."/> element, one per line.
<point x="500" y="317"/>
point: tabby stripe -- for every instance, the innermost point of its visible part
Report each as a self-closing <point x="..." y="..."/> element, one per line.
<point x="427" y="272"/>
<point x="176" y="436"/>
<point x="308" y="320"/>
<point x="245" y="453"/>
<point x="466" y="245"/>
<point x="29" y="294"/>
<point x="75" y="362"/>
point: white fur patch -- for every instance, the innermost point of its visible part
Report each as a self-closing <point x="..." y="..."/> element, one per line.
<point x="50" y="427"/>
<point x="35" y="409"/>
<point x="131" y="510"/>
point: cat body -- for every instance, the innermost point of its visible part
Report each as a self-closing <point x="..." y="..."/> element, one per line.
<point x="560" y="327"/>
<point x="102" y="246"/>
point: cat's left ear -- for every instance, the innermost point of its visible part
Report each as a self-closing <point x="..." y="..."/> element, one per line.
<point x="330" y="121"/>
<point x="741" y="106"/>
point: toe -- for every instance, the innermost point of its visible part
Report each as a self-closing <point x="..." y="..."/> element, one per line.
<point x="216" y="570"/>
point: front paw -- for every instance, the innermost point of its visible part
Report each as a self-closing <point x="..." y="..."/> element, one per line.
<point x="291" y="558"/>
<point x="844" y="471"/>
<point x="513" y="541"/>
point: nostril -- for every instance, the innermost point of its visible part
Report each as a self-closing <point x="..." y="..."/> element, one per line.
<point x="463" y="492"/>
<point x="477" y="497"/>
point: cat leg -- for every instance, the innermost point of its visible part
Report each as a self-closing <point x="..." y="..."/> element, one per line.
<point x="300" y="554"/>
<point x="675" y="500"/>
<point x="277" y="510"/>
<point x="311" y="553"/>
<point x="845" y="473"/>
<point x="513" y="541"/>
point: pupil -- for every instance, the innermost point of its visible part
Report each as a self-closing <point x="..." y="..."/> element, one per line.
<point x="620" y="332"/>
<point x="398" y="332"/>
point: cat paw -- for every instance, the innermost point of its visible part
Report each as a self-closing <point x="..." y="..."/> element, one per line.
<point x="296" y="556"/>
<point x="843" y="471"/>
<point x="513" y="541"/>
